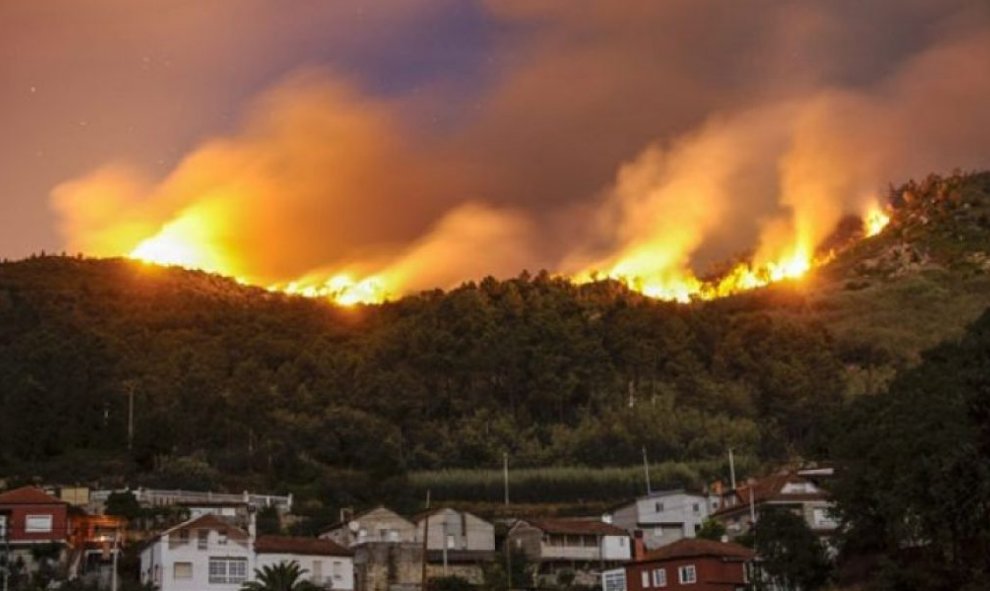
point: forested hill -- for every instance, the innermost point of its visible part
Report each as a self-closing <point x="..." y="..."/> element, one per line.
<point x="235" y="386"/>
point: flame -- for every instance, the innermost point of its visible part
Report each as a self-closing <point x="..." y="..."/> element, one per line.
<point x="685" y="286"/>
<point x="341" y="288"/>
<point x="875" y="221"/>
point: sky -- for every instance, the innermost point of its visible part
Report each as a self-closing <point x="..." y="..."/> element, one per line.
<point x="432" y="141"/>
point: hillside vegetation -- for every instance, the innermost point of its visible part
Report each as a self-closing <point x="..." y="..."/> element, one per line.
<point x="234" y="386"/>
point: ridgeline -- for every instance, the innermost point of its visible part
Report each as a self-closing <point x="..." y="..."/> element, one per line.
<point x="236" y="387"/>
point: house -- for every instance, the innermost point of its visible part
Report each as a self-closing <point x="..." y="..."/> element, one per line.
<point x="94" y="540"/>
<point x="689" y="563"/>
<point x="149" y="497"/>
<point x="377" y="525"/>
<point x="788" y="490"/>
<point x="30" y="518"/>
<point x="582" y="547"/>
<point x="387" y="555"/>
<point x="327" y="563"/>
<point x="663" y="517"/>
<point x="458" y="543"/>
<point x="205" y="552"/>
<point x="210" y="552"/>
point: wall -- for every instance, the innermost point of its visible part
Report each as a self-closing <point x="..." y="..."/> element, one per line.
<point x="338" y="571"/>
<point x="382" y="566"/>
<point x="713" y="574"/>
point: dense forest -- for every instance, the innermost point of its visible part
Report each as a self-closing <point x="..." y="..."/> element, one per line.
<point x="235" y="387"/>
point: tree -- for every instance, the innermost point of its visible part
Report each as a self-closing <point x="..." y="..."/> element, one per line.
<point x="711" y="529"/>
<point x="914" y="488"/>
<point x="790" y="552"/>
<point x="449" y="583"/>
<point x="284" y="576"/>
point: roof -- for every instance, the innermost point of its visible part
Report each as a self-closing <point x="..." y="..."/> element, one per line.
<point x="362" y="515"/>
<point x="209" y="521"/>
<point x="291" y="545"/>
<point x="695" y="547"/>
<point x="29" y="495"/>
<point x="577" y="526"/>
<point x="769" y="489"/>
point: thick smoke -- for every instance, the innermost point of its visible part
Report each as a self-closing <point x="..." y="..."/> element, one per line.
<point x="644" y="142"/>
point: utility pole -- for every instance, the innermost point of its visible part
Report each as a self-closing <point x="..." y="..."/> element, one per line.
<point x="445" y="546"/>
<point x="505" y="474"/>
<point x="732" y="469"/>
<point x="116" y="550"/>
<point x="130" y="385"/>
<point x="426" y="538"/>
<point x="646" y="471"/>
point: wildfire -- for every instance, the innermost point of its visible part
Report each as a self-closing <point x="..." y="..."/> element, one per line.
<point x="875" y="221"/>
<point x="342" y="289"/>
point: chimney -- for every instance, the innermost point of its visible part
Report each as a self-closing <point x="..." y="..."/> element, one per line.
<point x="639" y="547"/>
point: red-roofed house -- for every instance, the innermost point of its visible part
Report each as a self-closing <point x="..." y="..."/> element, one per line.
<point x="580" y="546"/>
<point x="788" y="490"/>
<point x="29" y="517"/>
<point x="690" y="563"/>
<point x="328" y="564"/>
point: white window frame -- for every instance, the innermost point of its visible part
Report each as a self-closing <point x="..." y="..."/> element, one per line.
<point x="202" y="539"/>
<point x="659" y="577"/>
<point x="221" y="571"/>
<point x="42" y="524"/>
<point x="645" y="579"/>
<point x="683" y="574"/>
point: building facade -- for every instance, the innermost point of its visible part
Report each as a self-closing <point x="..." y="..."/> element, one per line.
<point x="664" y="517"/>
<point x="577" y="549"/>
<point x="458" y="544"/>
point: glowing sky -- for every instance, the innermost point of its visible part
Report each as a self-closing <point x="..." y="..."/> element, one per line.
<point x="363" y="137"/>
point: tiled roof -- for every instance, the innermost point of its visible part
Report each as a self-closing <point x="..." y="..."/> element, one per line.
<point x="209" y="521"/>
<point x="691" y="547"/>
<point x="28" y="495"/>
<point x="290" y="545"/>
<point x="768" y="489"/>
<point x="577" y="527"/>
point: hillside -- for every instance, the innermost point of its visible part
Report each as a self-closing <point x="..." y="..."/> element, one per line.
<point x="234" y="386"/>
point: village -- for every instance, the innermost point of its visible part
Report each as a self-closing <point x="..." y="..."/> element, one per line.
<point x="671" y="539"/>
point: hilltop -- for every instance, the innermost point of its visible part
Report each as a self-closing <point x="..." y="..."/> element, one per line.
<point x="235" y="386"/>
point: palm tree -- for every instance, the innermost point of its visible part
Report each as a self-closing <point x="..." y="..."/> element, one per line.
<point x="284" y="576"/>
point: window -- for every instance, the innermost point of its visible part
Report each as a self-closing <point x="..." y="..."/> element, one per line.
<point x="337" y="569"/>
<point x="184" y="535"/>
<point x="615" y="580"/>
<point x="222" y="538"/>
<point x="182" y="570"/>
<point x="3" y="526"/>
<point x="687" y="575"/>
<point x="34" y="524"/>
<point x="645" y="579"/>
<point x="317" y="571"/>
<point x="228" y="570"/>
<point x="696" y="508"/>
<point x="659" y="577"/>
<point x="450" y="541"/>
<point x="659" y="507"/>
<point x="203" y="538"/>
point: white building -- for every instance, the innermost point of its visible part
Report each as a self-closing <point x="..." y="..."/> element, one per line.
<point x="327" y="563"/>
<point x="206" y="552"/>
<point x="663" y="517"/>
<point x="210" y="553"/>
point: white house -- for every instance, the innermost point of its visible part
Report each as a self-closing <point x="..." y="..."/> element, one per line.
<point x="327" y="563"/>
<point x="205" y="552"/>
<point x="209" y="553"/>
<point x="664" y="517"/>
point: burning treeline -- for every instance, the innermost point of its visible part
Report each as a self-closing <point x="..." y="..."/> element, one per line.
<point x="327" y="192"/>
